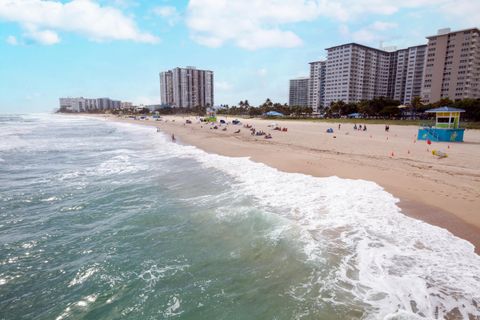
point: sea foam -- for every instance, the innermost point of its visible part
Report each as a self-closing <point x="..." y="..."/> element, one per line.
<point x="399" y="266"/>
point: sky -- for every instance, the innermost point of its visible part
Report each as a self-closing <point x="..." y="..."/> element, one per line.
<point x="116" y="48"/>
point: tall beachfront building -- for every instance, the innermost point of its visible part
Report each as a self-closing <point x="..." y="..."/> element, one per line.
<point x="407" y="73"/>
<point x="299" y="92"/>
<point x="452" y="69"/>
<point x="166" y="88"/>
<point x="316" y="89"/>
<point x="187" y="87"/>
<point x="356" y="72"/>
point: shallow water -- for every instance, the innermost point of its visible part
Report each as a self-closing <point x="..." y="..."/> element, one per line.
<point x="102" y="220"/>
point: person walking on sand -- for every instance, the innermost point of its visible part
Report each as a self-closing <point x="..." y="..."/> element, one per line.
<point x="173" y="138"/>
<point x="339" y="125"/>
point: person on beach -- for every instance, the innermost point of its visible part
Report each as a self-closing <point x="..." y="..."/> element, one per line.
<point x="173" y="138"/>
<point x="364" y="127"/>
<point x="355" y="127"/>
<point x="339" y="125"/>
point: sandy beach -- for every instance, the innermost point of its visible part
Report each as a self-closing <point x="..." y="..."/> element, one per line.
<point x="443" y="192"/>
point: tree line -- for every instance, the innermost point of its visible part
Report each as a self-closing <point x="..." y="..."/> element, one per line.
<point x="245" y="109"/>
<point x="384" y="108"/>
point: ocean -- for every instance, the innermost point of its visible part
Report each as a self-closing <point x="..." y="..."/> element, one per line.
<point x="104" y="220"/>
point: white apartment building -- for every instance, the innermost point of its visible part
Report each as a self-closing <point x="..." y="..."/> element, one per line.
<point x="299" y="92"/>
<point x="73" y="104"/>
<point x="316" y="89"/>
<point x="166" y="88"/>
<point x="356" y="72"/>
<point x="85" y="104"/>
<point x="410" y="64"/>
<point x="187" y="87"/>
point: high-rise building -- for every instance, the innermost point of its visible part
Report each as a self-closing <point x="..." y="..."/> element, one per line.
<point x="299" y="92"/>
<point x="407" y="73"/>
<point x="316" y="90"/>
<point x="356" y="72"/>
<point x="187" y="87"/>
<point x="166" y="88"/>
<point x="452" y="68"/>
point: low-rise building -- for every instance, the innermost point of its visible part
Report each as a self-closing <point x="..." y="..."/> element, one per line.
<point x="82" y="104"/>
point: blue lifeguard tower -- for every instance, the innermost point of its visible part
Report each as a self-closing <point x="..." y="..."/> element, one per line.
<point x="447" y="126"/>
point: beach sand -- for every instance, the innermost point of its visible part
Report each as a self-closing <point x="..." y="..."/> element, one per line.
<point x="443" y="192"/>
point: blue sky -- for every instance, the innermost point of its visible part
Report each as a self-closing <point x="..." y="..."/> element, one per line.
<point x="116" y="48"/>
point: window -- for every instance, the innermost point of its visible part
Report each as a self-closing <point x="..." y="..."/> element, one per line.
<point x="443" y="120"/>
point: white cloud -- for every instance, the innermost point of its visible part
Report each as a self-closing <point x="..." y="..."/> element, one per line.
<point x="170" y="13"/>
<point x="12" y="40"/>
<point x="47" y="37"/>
<point x="257" y="24"/>
<point x="42" y="20"/>
<point x="371" y="34"/>
<point x="346" y="10"/>
<point x="248" y="24"/>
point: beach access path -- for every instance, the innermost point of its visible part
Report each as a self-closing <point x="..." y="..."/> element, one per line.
<point x="443" y="192"/>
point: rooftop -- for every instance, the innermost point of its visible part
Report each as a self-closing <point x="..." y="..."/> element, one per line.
<point x="444" y="109"/>
<point x="358" y="45"/>
<point x="443" y="34"/>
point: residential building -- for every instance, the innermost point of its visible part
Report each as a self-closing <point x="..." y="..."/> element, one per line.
<point x="115" y="104"/>
<point x="356" y="72"/>
<point x="187" y="87"/>
<point x="73" y="104"/>
<point x="166" y="88"/>
<point x="85" y="104"/>
<point x="452" y="68"/>
<point x="126" y="105"/>
<point x="103" y="104"/>
<point x="407" y="73"/>
<point x="299" y="92"/>
<point x="316" y="90"/>
<point x="90" y="104"/>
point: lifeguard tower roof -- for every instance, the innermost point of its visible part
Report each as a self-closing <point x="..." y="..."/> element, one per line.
<point x="445" y="109"/>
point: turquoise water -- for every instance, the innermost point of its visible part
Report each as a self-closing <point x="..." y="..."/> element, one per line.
<point x="100" y="220"/>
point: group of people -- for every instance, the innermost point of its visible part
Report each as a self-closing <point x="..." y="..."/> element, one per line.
<point x="254" y="132"/>
<point x="360" y="127"/>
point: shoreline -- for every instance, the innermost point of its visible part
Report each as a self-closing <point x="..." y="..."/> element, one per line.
<point x="415" y="180"/>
